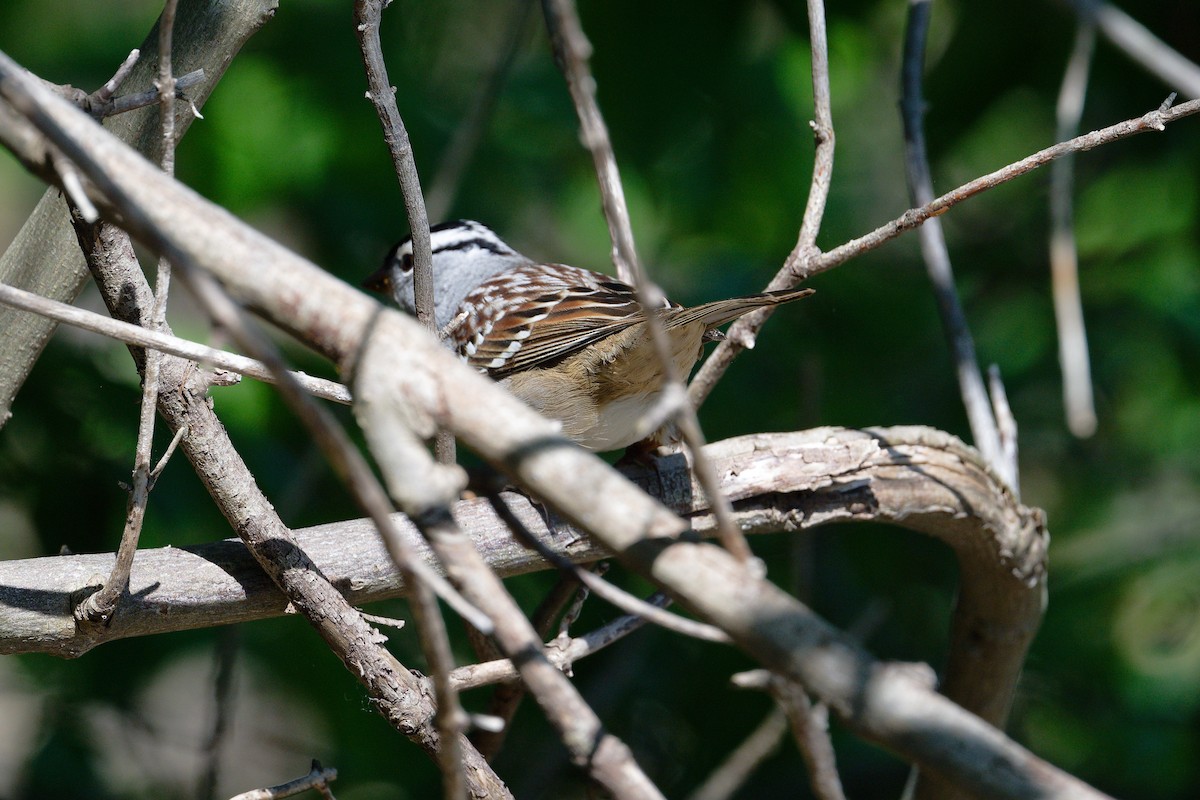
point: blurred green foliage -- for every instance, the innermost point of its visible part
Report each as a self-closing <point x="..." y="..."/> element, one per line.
<point x="708" y="108"/>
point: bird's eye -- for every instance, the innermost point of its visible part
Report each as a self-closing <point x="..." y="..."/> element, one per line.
<point x="406" y="263"/>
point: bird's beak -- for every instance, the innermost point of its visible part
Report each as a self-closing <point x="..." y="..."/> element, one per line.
<point x="380" y="281"/>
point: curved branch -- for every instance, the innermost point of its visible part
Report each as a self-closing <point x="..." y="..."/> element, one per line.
<point x="913" y="477"/>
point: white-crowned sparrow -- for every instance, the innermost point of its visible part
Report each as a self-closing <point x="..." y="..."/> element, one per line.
<point x="570" y="342"/>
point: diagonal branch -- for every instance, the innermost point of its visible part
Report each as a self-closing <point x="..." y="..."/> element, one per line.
<point x="572" y="50"/>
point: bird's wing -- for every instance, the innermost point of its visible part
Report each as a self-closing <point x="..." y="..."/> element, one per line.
<point x="577" y="308"/>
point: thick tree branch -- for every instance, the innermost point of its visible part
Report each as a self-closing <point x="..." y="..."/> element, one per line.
<point x="912" y="477"/>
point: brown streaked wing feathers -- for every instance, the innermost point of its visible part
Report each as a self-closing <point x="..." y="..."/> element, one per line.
<point x="585" y="310"/>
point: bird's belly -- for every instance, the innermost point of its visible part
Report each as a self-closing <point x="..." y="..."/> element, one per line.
<point x="619" y="423"/>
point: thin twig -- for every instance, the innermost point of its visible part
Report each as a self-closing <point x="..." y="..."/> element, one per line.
<point x="166" y="456"/>
<point x="742" y="332"/>
<point x="1078" y="400"/>
<point x="387" y="622"/>
<point x="1154" y="120"/>
<point x="822" y="127"/>
<point x="507" y="697"/>
<point x="562" y="652"/>
<point x="166" y="88"/>
<point x="602" y="588"/>
<point x="167" y="343"/>
<point x="575" y="607"/>
<point x="810" y="728"/>
<point x="1006" y="424"/>
<point x="572" y="51"/>
<point x="564" y="592"/>
<point x="467" y="136"/>
<point x="319" y="778"/>
<point x="129" y="102"/>
<point x="105" y="93"/>
<point x="367" y="17"/>
<point x="73" y="188"/>
<point x="933" y="245"/>
<point x="732" y="773"/>
<point x="99" y="607"/>
<point x="451" y="720"/>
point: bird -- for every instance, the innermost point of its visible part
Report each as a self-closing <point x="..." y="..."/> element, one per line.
<point x="571" y="343"/>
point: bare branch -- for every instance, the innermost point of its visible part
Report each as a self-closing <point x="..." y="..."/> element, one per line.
<point x="911" y="477"/>
<point x="810" y="728"/>
<point x="367" y="17"/>
<point x="506" y="698"/>
<point x="130" y="102"/>
<point x="1006" y="424"/>
<point x="97" y="608"/>
<point x="1155" y="120"/>
<point x="1064" y="259"/>
<point x="732" y="773"/>
<point x="318" y="777"/>
<point x="412" y="480"/>
<point x="563" y="653"/>
<point x="602" y="588"/>
<point x="743" y="331"/>
<point x="572" y="51"/>
<point x="357" y="476"/>
<point x="398" y="694"/>
<point x="105" y="93"/>
<point x="157" y="340"/>
<point x="933" y="246"/>
<point x="427" y="386"/>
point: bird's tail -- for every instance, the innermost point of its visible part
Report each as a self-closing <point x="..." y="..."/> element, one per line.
<point x="718" y="312"/>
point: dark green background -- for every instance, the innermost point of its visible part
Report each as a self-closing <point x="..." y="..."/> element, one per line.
<point x="708" y="106"/>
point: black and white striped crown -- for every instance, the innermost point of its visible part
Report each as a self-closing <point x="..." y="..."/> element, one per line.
<point x="459" y="235"/>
